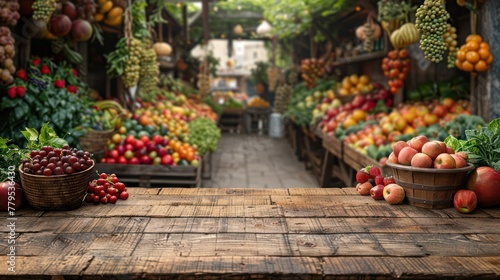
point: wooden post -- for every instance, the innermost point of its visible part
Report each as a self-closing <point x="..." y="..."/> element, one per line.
<point x="185" y="25"/>
<point x="205" y="20"/>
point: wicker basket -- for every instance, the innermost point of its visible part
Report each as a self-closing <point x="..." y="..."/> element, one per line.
<point x="95" y="142"/>
<point x="56" y="192"/>
<point x="429" y="187"/>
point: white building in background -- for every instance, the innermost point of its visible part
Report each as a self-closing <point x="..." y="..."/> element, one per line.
<point x="245" y="54"/>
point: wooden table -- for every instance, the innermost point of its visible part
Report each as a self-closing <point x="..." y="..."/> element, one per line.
<point x="180" y="233"/>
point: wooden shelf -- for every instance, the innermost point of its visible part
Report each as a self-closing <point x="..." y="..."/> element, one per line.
<point x="360" y="58"/>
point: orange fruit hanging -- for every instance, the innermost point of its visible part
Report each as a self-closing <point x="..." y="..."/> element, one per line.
<point x="474" y="56"/>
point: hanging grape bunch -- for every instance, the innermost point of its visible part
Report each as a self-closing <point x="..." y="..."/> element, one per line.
<point x="396" y="66"/>
<point x="431" y="22"/>
<point x="312" y="69"/>
<point x="131" y="72"/>
<point x="148" y="74"/>
<point x="8" y="12"/>
<point x="7" y="53"/>
<point x="43" y="9"/>
<point x="450" y="38"/>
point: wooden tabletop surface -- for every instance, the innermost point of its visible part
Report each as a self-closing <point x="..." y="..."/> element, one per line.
<point x="181" y="233"/>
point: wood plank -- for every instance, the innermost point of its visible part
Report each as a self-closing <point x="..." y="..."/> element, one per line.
<point x="215" y="211"/>
<point x="216" y="225"/>
<point x="45" y="266"/>
<point x="223" y="191"/>
<point x="321" y="192"/>
<point x="470" y="226"/>
<point x="104" y="210"/>
<point x="220" y="267"/>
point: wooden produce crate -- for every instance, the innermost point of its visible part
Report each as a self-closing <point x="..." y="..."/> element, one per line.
<point x="256" y="115"/>
<point x="231" y="119"/>
<point x="142" y="175"/>
<point x="334" y="146"/>
<point x="358" y="160"/>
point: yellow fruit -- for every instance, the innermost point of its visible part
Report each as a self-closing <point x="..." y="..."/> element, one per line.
<point x="98" y="17"/>
<point x="115" y="12"/>
<point x="363" y="79"/>
<point x="359" y="115"/>
<point x="354" y="79"/>
<point x="114" y="22"/>
<point x="343" y="91"/>
<point x="467" y="66"/>
<point x="349" y="122"/>
<point x="106" y="7"/>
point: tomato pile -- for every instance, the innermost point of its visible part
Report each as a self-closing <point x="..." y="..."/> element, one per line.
<point x="56" y="161"/>
<point x="106" y="189"/>
<point x="396" y="66"/>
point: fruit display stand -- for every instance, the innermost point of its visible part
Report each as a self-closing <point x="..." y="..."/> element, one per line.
<point x="357" y="160"/>
<point x="141" y="175"/>
<point x="333" y="163"/>
<point x="231" y="120"/>
<point x="257" y="119"/>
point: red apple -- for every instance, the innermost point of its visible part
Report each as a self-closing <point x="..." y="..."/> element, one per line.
<point x="460" y="161"/>
<point x="60" y="25"/>
<point x="364" y="188"/>
<point x="377" y="192"/>
<point x="432" y="149"/>
<point x="7" y="189"/>
<point x="485" y="182"/>
<point x="465" y="201"/>
<point x="450" y="150"/>
<point x="394" y="194"/>
<point x="167" y="160"/>
<point x="406" y="154"/>
<point x="445" y="161"/>
<point x="398" y="146"/>
<point x="393" y="158"/>
<point x="81" y="30"/>
<point x="442" y="144"/>
<point x="417" y="142"/>
<point x="389" y="180"/>
<point x="134" y="160"/>
<point x="421" y="160"/>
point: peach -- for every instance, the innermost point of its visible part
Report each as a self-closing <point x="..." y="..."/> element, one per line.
<point x="421" y="160"/>
<point x="459" y="160"/>
<point x="393" y="158"/>
<point x="398" y="146"/>
<point x="445" y="161"/>
<point x="432" y="149"/>
<point x="406" y="155"/>
<point x="364" y="188"/>
<point x="417" y="142"/>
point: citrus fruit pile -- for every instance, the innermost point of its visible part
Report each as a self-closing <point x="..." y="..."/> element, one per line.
<point x="474" y="55"/>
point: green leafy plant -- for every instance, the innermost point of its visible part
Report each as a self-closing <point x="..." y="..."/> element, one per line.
<point x="259" y="73"/>
<point x="52" y="93"/>
<point x="46" y="137"/>
<point x="12" y="155"/>
<point x="205" y="134"/>
<point x="482" y="145"/>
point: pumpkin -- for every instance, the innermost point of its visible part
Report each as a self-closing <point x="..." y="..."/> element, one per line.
<point x="162" y="49"/>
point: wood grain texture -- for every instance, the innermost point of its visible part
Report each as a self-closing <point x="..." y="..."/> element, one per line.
<point x="253" y="234"/>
